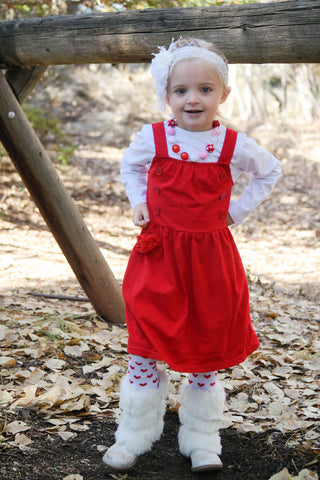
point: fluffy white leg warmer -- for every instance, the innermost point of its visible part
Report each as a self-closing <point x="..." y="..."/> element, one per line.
<point x="201" y="417"/>
<point x="141" y="422"/>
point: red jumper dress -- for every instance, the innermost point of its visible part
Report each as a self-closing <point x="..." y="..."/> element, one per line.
<point x="185" y="288"/>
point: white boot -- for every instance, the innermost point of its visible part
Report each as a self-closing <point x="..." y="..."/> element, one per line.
<point x="200" y="415"/>
<point x="140" y="425"/>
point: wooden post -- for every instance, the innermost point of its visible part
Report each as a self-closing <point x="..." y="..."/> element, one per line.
<point x="58" y="208"/>
<point x="23" y="80"/>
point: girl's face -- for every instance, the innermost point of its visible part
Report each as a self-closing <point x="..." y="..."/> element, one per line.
<point x="194" y="94"/>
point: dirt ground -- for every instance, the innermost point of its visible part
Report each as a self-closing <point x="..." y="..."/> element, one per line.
<point x="61" y="365"/>
<point x="246" y="456"/>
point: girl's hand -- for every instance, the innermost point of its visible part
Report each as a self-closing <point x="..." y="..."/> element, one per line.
<point x="229" y="220"/>
<point x="141" y="216"/>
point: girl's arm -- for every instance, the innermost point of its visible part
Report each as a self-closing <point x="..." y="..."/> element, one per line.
<point x="134" y="168"/>
<point x="264" y="169"/>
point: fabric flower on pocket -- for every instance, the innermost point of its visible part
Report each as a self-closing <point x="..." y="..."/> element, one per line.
<point x="147" y="241"/>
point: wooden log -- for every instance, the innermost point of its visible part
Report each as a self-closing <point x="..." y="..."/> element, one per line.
<point x="58" y="208"/>
<point x="278" y="32"/>
<point x="23" y="80"/>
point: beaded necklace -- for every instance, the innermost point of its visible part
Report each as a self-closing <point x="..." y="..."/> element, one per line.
<point x="184" y="155"/>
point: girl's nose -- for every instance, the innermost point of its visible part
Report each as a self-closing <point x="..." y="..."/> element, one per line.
<point x="193" y="97"/>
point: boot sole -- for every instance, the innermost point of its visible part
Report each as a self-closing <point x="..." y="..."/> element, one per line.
<point x="124" y="468"/>
<point x="206" y="468"/>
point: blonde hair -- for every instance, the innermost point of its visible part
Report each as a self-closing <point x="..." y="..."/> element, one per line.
<point x="197" y="42"/>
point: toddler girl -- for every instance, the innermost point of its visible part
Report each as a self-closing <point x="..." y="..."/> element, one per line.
<point x="185" y="287"/>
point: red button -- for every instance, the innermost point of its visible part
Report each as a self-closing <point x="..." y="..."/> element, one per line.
<point x="223" y="176"/>
<point x="157" y="189"/>
<point x="222" y="214"/>
<point x="222" y="196"/>
<point x="159" y="171"/>
<point x="156" y="210"/>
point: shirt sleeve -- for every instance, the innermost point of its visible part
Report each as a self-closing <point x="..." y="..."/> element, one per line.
<point x="135" y="164"/>
<point x="264" y="171"/>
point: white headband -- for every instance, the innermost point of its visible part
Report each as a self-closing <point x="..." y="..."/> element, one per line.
<point x="165" y="60"/>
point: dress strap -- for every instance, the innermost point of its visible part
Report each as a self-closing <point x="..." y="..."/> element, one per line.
<point x="160" y="140"/>
<point x="228" y="146"/>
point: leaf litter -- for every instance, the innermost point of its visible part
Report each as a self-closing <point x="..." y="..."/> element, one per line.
<point x="61" y="361"/>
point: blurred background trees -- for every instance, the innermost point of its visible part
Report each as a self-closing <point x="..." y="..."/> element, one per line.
<point x="10" y="9"/>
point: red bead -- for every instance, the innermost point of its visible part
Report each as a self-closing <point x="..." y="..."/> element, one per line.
<point x="184" y="156"/>
<point x="215" y="124"/>
<point x="172" y="122"/>
<point x="175" y="148"/>
<point x="210" y="148"/>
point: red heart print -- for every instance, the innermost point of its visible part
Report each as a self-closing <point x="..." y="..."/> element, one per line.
<point x="155" y="380"/>
<point x="195" y="375"/>
<point x="207" y="376"/>
<point x="143" y="370"/>
<point x="142" y="384"/>
<point x="152" y="363"/>
<point x="132" y="367"/>
<point x="137" y="363"/>
<point x="150" y="376"/>
<point x="137" y="377"/>
<point x="190" y="381"/>
<point x="212" y="384"/>
<point x="201" y="385"/>
<point x="130" y="381"/>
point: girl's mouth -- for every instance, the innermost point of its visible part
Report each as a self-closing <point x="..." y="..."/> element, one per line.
<point x="193" y="112"/>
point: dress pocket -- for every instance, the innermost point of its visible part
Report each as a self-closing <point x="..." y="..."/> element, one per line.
<point x="147" y="240"/>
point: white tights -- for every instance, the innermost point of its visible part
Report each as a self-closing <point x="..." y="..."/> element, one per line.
<point x="143" y="373"/>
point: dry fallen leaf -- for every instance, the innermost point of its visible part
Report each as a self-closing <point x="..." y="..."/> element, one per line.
<point x="28" y="399"/>
<point x="16" y="427"/>
<point x="66" y="435"/>
<point x="5" y="397"/>
<point x="22" y="440"/>
<point x="79" y="428"/>
<point x="303" y="475"/>
<point x="306" y="475"/>
<point x="7" y="361"/>
<point x="54" y="364"/>
<point x="3" y="330"/>
<point x="50" y="397"/>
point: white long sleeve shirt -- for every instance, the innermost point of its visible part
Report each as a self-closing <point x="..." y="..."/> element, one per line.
<point x="263" y="167"/>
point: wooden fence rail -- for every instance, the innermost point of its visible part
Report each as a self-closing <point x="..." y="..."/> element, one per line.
<point x="284" y="32"/>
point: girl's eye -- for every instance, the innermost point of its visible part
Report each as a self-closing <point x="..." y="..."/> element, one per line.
<point x="206" y="89"/>
<point x="180" y="91"/>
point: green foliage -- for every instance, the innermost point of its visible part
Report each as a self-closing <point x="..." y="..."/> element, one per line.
<point x="41" y="122"/>
<point x="10" y="9"/>
<point x="50" y="130"/>
<point x="65" y="153"/>
<point x="3" y="153"/>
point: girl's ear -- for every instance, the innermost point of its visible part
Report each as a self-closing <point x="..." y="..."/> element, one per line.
<point x="225" y="94"/>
